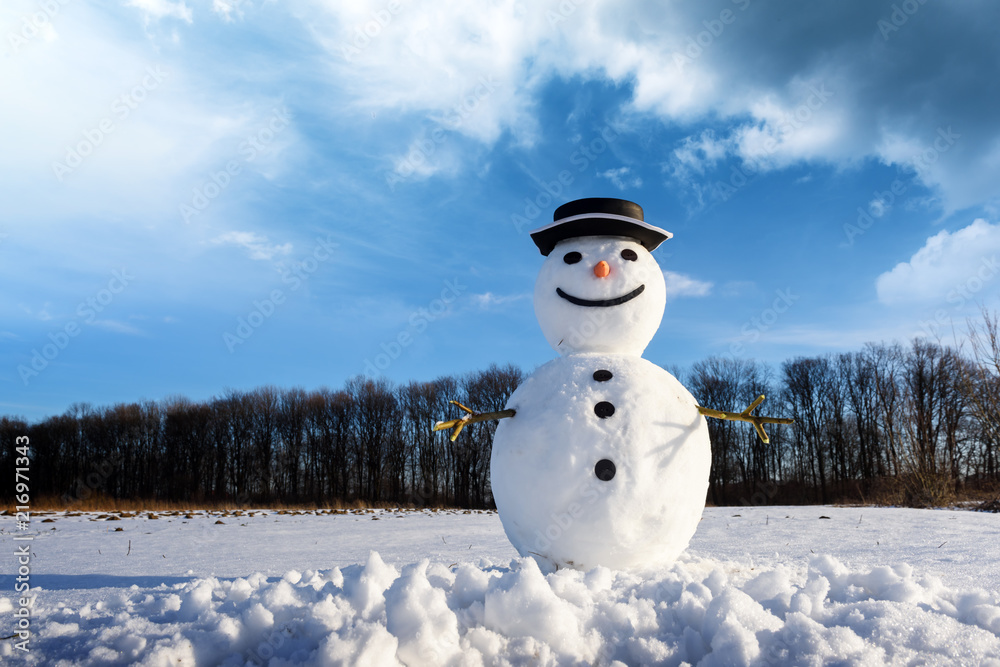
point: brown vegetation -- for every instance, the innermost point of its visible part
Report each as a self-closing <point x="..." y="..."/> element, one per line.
<point x="105" y="503"/>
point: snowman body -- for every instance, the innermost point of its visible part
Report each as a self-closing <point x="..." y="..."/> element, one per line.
<point x="616" y="415"/>
<point x="606" y="459"/>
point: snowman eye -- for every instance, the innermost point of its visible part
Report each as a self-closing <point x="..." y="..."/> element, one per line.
<point x="629" y="254"/>
<point x="572" y="257"/>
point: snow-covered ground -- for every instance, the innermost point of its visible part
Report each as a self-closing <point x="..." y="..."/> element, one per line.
<point x="759" y="585"/>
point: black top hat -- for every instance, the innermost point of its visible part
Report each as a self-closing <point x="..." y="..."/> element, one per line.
<point x="598" y="216"/>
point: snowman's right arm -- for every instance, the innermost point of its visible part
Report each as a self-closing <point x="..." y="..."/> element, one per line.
<point x="471" y="418"/>
<point x="746" y="416"/>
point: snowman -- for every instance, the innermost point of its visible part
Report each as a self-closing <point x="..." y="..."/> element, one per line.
<point x="601" y="457"/>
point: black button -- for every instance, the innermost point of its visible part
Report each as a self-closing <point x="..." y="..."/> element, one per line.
<point x="605" y="470"/>
<point x="604" y="409"/>
<point x="629" y="254"/>
<point x="572" y="257"/>
<point x="602" y="375"/>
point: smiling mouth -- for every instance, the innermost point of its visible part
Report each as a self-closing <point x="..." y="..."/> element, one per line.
<point x="604" y="303"/>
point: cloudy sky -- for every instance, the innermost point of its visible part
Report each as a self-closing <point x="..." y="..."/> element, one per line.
<point x="210" y="194"/>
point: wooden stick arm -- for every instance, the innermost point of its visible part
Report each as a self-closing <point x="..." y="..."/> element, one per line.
<point x="745" y="416"/>
<point x="471" y="418"/>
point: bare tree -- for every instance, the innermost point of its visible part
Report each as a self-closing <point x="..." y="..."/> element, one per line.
<point x="292" y="430"/>
<point x="373" y="406"/>
<point x="809" y="383"/>
<point x="739" y="458"/>
<point x="489" y="391"/>
<point x="981" y="384"/>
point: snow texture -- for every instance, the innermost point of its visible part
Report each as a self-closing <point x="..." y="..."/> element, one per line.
<point x="626" y="328"/>
<point x="289" y="589"/>
<point x="544" y="464"/>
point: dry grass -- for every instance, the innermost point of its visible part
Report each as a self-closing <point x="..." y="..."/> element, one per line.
<point x="107" y="504"/>
<point x="909" y="490"/>
<point x="902" y="491"/>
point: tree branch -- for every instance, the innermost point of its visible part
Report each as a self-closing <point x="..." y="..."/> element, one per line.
<point x="471" y="418"/>
<point x="745" y="416"/>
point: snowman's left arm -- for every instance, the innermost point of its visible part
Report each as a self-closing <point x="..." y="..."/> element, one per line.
<point x="471" y="418"/>
<point x="745" y="416"/>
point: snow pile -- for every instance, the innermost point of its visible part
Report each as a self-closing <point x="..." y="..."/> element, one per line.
<point x="699" y="611"/>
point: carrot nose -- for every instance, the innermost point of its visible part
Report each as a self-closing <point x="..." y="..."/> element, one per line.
<point x="602" y="269"/>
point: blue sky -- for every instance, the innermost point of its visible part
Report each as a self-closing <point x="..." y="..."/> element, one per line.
<point x="207" y="195"/>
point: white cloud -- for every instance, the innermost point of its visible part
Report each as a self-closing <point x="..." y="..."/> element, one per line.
<point x="736" y="288"/>
<point x="121" y="129"/>
<point x="838" y="338"/>
<point x="425" y="157"/>
<point x="781" y="133"/>
<point x="43" y="314"/>
<point x="680" y="285"/>
<point x="466" y="71"/>
<point x="692" y="159"/>
<point x="117" y="326"/>
<point x="227" y="9"/>
<point x="158" y="9"/>
<point x="256" y="245"/>
<point x="490" y="300"/>
<point x="619" y="178"/>
<point x="783" y="94"/>
<point x="698" y="153"/>
<point x="800" y="123"/>
<point x="879" y="207"/>
<point x="951" y="266"/>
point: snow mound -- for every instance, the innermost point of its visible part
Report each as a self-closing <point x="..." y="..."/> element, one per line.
<point x="699" y="611"/>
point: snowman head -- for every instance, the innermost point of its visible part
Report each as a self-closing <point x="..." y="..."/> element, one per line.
<point x="599" y="290"/>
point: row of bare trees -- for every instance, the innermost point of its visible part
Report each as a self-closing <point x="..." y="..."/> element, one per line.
<point x="913" y="424"/>
<point x="370" y="441"/>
